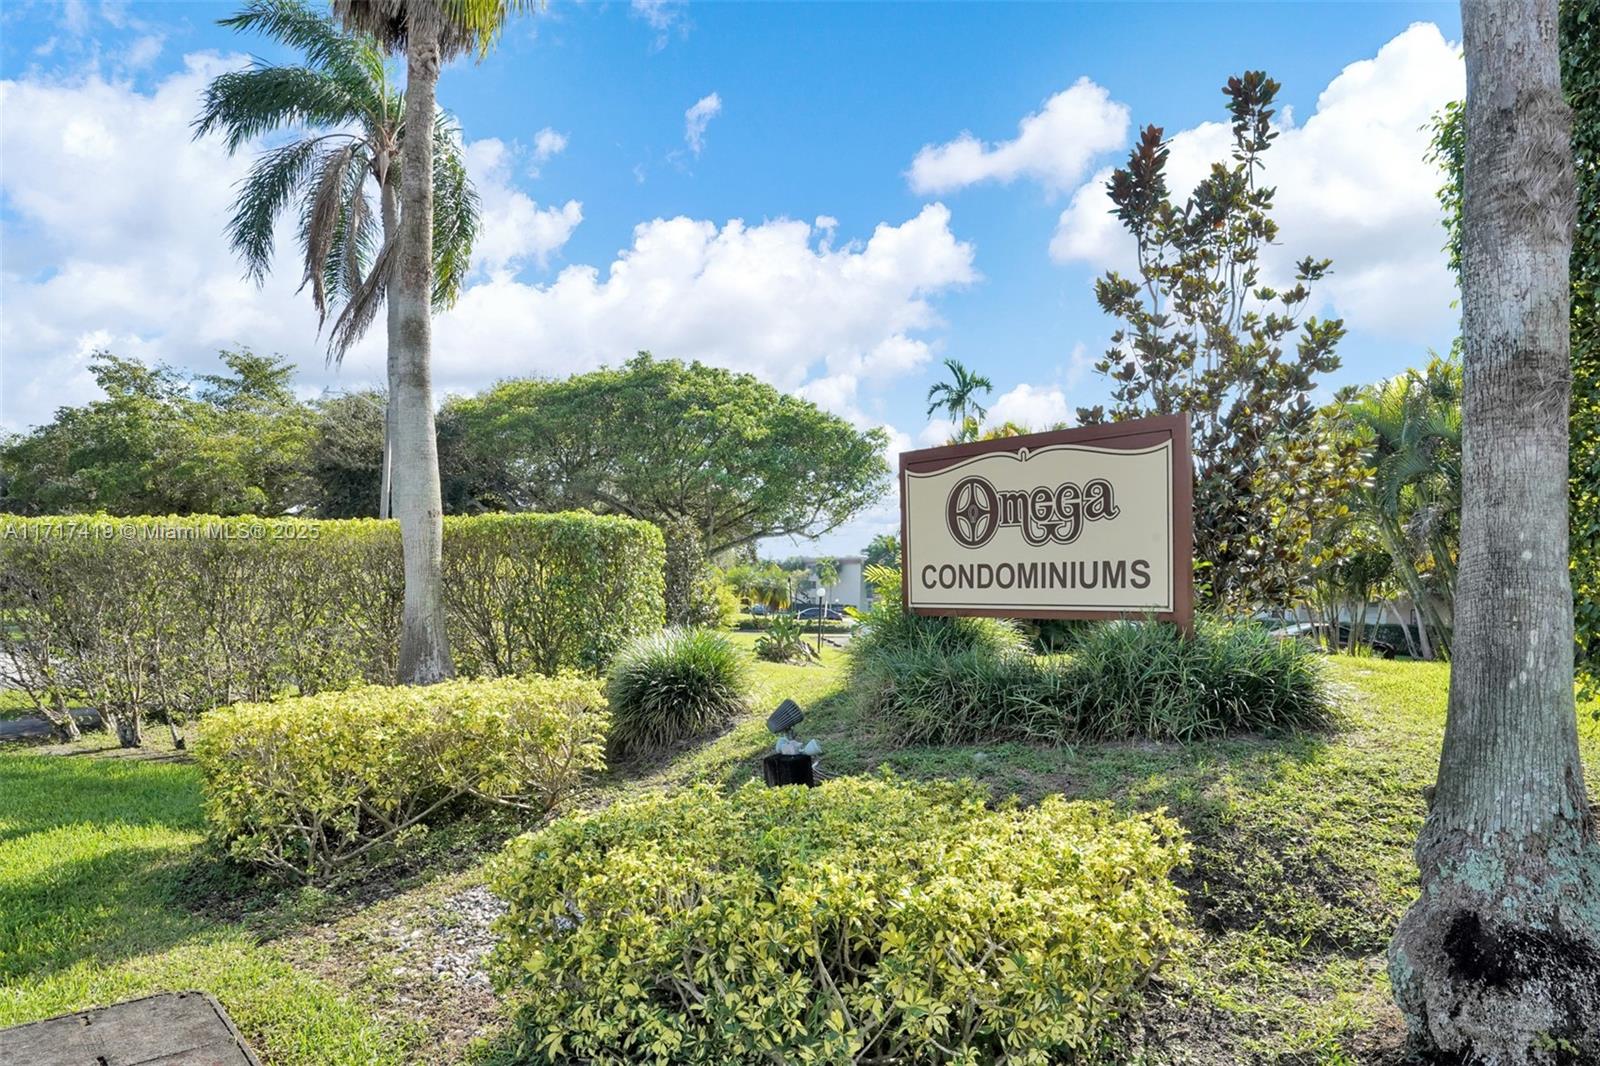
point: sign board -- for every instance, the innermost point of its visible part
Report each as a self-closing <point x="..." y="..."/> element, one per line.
<point x="1079" y="523"/>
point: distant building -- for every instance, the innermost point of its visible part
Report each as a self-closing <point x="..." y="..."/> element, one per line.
<point x="850" y="590"/>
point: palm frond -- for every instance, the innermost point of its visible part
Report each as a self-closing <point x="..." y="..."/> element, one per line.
<point x="455" y="213"/>
<point x="321" y="222"/>
<point x="462" y="26"/>
<point x="293" y="24"/>
<point x="362" y="308"/>
<point x="272" y="180"/>
<point x="245" y="104"/>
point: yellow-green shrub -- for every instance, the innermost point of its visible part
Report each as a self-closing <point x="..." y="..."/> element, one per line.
<point x="180" y="614"/>
<point x="864" y="920"/>
<point x="302" y="785"/>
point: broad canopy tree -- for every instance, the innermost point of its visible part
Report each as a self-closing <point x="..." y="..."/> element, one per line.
<point x="668" y="441"/>
<point x="1498" y="961"/>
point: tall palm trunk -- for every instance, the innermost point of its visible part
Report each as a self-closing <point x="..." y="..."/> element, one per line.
<point x="1499" y="960"/>
<point x="424" y="645"/>
<point x="391" y="229"/>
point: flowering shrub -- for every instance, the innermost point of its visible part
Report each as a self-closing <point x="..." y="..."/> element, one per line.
<point x="866" y="920"/>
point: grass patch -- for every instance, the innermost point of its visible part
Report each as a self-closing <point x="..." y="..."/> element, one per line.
<point x="92" y="853"/>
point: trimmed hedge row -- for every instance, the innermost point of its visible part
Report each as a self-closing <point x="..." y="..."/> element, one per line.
<point x="866" y="920"/>
<point x="303" y="785"/>
<point x="175" y="615"/>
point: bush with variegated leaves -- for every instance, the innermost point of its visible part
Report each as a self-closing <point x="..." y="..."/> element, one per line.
<point x="301" y="786"/>
<point x="866" y="920"/>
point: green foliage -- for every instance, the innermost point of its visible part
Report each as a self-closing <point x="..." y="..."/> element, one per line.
<point x="883" y="551"/>
<point x="303" y="785"/>
<point x="546" y="592"/>
<point x="958" y="398"/>
<point x="163" y="443"/>
<point x="783" y="640"/>
<point x="959" y="681"/>
<point x="864" y="920"/>
<point x="174" y="616"/>
<point x="674" y="685"/>
<point x="1200" y="333"/>
<point x="664" y="440"/>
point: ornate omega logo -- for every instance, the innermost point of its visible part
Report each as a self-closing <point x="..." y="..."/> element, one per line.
<point x="1045" y="514"/>
<point x="972" y="512"/>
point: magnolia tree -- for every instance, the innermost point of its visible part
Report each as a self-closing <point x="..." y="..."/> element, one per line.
<point x="1203" y="330"/>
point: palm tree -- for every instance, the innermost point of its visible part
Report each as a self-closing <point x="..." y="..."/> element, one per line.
<point x="351" y="124"/>
<point x="958" y="398"/>
<point x="1414" y="425"/>
<point x="429" y="32"/>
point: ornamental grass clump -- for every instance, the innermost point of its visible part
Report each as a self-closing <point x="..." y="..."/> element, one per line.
<point x="673" y="685"/>
<point x="302" y="786"/>
<point x="866" y="920"/>
<point x="965" y="681"/>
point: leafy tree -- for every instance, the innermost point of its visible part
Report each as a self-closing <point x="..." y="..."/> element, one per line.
<point x="159" y="443"/>
<point x="1496" y="961"/>
<point x="1202" y="332"/>
<point x="429" y="32"/>
<point x="958" y="398"/>
<point x="883" y="551"/>
<point x="664" y="440"/>
<point x="347" y="454"/>
<point x="351" y="133"/>
<point x="1411" y="425"/>
<point x="1580" y="82"/>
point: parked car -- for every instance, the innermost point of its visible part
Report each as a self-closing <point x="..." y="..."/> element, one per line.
<point x="1318" y="633"/>
<point x="831" y="613"/>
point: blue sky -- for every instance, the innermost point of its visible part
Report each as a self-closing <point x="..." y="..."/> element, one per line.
<point x="913" y="181"/>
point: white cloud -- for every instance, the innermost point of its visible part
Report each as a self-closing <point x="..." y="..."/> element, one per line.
<point x="1054" y="146"/>
<point x="547" y="144"/>
<point x="514" y="230"/>
<point x="767" y="298"/>
<point x="114" y="237"/>
<point x="1034" y="407"/>
<point x="1351" y="184"/>
<point x="660" y="15"/>
<point x="697" y="118"/>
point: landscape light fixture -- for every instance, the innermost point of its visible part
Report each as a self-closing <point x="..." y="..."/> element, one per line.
<point x="790" y="762"/>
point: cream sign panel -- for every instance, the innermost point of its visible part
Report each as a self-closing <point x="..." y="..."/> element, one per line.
<point x="1081" y="523"/>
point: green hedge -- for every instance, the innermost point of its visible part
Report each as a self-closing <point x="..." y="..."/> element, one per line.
<point x="176" y="615"/>
<point x="867" y="920"/>
<point x="303" y="785"/>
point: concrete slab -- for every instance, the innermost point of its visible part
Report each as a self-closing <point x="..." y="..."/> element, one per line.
<point x="170" y="1029"/>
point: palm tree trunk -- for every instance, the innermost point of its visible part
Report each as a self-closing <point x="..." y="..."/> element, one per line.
<point x="391" y="229"/>
<point x="424" y="644"/>
<point x="1499" y="960"/>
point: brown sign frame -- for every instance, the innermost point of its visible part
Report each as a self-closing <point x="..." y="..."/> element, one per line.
<point x="1131" y="435"/>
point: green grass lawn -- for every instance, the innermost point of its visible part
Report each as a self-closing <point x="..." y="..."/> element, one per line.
<point x="1301" y="867"/>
